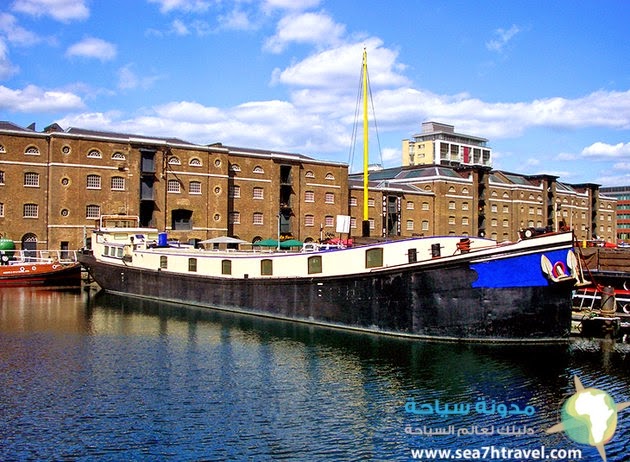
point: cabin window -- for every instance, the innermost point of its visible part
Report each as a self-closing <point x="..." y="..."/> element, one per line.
<point x="163" y="262"/>
<point x="266" y="267"/>
<point x="315" y="264"/>
<point x="106" y="250"/>
<point x="374" y="258"/>
<point x="119" y="252"/>
<point x="226" y="267"/>
<point x="412" y="255"/>
<point x="192" y="265"/>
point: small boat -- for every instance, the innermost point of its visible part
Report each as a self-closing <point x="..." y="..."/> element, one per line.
<point x="41" y="268"/>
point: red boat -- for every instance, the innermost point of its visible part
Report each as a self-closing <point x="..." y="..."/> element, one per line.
<point x="25" y="269"/>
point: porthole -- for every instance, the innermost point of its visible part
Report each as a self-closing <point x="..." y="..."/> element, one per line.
<point x="217" y="162"/>
<point x="66" y="149"/>
<point x="217" y="217"/>
<point x="65" y="212"/>
<point x="217" y="190"/>
<point x="65" y="181"/>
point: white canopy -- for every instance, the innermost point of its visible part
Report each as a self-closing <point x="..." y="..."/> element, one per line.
<point x="223" y="240"/>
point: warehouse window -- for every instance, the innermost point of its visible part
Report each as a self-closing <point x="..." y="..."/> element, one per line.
<point x="31" y="179"/>
<point x="31" y="210"/>
<point x="93" y="182"/>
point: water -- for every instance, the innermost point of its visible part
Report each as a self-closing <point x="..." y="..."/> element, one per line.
<point x="92" y="377"/>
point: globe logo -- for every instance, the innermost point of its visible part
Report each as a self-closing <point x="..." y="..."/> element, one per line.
<point x="589" y="417"/>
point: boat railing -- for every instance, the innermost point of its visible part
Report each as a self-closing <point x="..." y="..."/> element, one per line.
<point x="18" y="257"/>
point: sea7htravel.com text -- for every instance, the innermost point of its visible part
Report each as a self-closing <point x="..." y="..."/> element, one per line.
<point x="496" y="453"/>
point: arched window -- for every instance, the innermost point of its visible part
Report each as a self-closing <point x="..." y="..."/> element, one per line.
<point x="330" y="176"/>
<point x="309" y="174"/>
<point x="118" y="156"/>
<point x="32" y="151"/>
<point x="174" y="161"/>
<point x="195" y="162"/>
<point x="94" y="154"/>
<point x="258" y="169"/>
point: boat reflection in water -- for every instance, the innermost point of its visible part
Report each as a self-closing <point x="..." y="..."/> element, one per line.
<point x="111" y="378"/>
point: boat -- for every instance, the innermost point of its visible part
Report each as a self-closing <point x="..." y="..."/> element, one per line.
<point x="39" y="268"/>
<point x="443" y="287"/>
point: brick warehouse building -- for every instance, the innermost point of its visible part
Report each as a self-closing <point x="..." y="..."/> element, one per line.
<point x="54" y="185"/>
<point x="474" y="200"/>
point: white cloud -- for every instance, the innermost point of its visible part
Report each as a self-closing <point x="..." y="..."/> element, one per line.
<point x="14" y="33"/>
<point x="179" y="28"/>
<point x="7" y="69"/>
<point x="606" y="151"/>
<point x="34" y="99"/>
<point x="60" y="10"/>
<point x="295" y="5"/>
<point x="189" y="6"/>
<point x="340" y="68"/>
<point x="311" y="28"/>
<point x="91" y="47"/>
<point x="128" y="79"/>
<point x="503" y="37"/>
<point x="236" y="19"/>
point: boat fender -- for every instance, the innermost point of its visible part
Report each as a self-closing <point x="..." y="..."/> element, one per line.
<point x="464" y="245"/>
<point x="559" y="270"/>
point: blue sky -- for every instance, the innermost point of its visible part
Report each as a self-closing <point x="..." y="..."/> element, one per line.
<point x="547" y="82"/>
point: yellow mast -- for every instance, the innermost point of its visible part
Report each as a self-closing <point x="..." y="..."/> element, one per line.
<point x="366" y="227"/>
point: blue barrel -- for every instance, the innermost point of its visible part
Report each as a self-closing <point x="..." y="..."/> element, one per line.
<point x="162" y="240"/>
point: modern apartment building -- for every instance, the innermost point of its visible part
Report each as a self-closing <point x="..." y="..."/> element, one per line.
<point x="439" y="144"/>
<point x="622" y="195"/>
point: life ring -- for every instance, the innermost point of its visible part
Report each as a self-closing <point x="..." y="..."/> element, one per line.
<point x="559" y="270"/>
<point x="22" y="269"/>
<point x="34" y="268"/>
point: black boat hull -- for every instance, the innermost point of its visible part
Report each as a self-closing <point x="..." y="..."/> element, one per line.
<point x="447" y="303"/>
